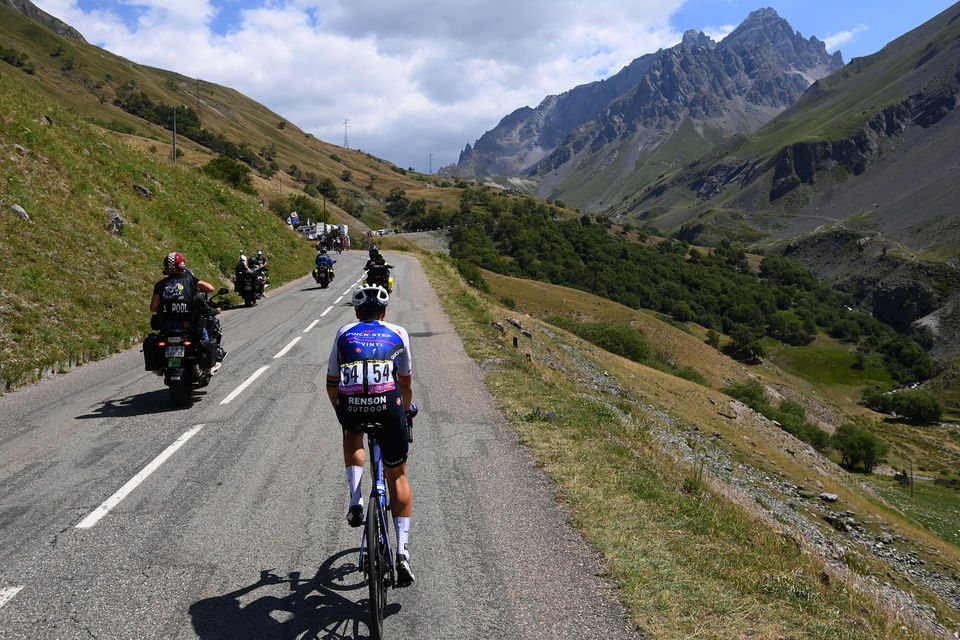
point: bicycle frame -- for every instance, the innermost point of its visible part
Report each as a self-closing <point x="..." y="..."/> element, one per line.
<point x="378" y="496"/>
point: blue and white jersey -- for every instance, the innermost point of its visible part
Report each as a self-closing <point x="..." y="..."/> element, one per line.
<point x="368" y="357"/>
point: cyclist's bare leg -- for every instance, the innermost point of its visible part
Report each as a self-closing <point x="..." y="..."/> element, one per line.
<point x="401" y="496"/>
<point x="354" y="454"/>
<point x="353" y="458"/>
<point x="401" y="505"/>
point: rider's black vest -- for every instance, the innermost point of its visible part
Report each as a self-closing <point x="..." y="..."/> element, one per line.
<point x="176" y="297"/>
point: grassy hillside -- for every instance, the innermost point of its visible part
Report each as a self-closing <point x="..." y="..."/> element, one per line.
<point x="704" y="512"/>
<point x="70" y="289"/>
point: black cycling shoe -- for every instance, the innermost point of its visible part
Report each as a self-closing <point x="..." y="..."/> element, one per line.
<point x="405" y="576"/>
<point x="355" y="515"/>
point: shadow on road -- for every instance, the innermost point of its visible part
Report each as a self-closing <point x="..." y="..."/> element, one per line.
<point x="137" y="405"/>
<point x="306" y="608"/>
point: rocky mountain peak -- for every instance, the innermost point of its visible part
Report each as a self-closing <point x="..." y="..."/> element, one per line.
<point x="36" y="14"/>
<point x="693" y="38"/>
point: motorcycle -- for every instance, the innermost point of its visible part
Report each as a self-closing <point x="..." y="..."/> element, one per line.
<point x="380" y="274"/>
<point x="185" y="360"/>
<point x="323" y="276"/>
<point x="251" y="286"/>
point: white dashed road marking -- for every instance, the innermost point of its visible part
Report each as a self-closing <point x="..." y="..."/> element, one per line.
<point x="135" y="481"/>
<point x="7" y="593"/>
<point x="312" y="325"/>
<point x="246" y="383"/>
<point x="283" y="351"/>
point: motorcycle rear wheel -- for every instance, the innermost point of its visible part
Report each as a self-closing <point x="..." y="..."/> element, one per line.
<point x="180" y="392"/>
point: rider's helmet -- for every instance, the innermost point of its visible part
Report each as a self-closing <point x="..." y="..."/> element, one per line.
<point x="174" y="263"/>
<point x="243" y="258"/>
<point x="374" y="250"/>
<point x="322" y="251"/>
<point x="369" y="296"/>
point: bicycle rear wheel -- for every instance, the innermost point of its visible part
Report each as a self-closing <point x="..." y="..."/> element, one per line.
<point x="377" y="569"/>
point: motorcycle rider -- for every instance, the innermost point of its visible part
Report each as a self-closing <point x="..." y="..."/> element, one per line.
<point x="241" y="271"/>
<point x="369" y="378"/>
<point x="173" y="297"/>
<point x="259" y="261"/>
<point x="376" y="258"/>
<point x="323" y="260"/>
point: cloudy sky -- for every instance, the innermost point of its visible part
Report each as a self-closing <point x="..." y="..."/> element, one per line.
<point x="420" y="78"/>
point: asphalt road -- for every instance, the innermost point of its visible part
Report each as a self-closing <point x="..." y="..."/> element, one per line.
<point x="238" y="530"/>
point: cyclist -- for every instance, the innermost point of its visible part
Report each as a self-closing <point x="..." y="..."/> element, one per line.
<point x="369" y="379"/>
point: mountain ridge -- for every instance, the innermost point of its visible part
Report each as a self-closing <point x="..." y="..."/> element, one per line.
<point x="735" y="85"/>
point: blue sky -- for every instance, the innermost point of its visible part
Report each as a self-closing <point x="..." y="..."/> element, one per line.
<point x="418" y="79"/>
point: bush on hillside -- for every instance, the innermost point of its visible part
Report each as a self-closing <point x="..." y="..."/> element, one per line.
<point x="234" y="173"/>
<point x="616" y="337"/>
<point x="790" y="415"/>
<point x="858" y="447"/>
<point x="916" y="405"/>
<point x="472" y="274"/>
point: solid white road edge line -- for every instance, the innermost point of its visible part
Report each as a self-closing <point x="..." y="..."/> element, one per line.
<point x="283" y="351"/>
<point x="326" y="311"/>
<point x="7" y="593"/>
<point x="244" y="385"/>
<point x="312" y="325"/>
<point x="135" y="481"/>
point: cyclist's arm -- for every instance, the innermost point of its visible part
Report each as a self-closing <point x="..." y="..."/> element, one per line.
<point x="333" y="384"/>
<point x="406" y="390"/>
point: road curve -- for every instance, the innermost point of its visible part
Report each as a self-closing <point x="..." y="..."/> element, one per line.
<point x="239" y="530"/>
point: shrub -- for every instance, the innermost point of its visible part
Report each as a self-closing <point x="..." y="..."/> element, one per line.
<point x="917" y="405"/>
<point x="857" y="446"/>
<point x="791" y="414"/>
<point x="472" y="274"/>
<point x="234" y="173"/>
<point x="615" y="337"/>
<point x="751" y="393"/>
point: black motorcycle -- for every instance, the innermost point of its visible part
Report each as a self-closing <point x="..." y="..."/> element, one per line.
<point x="323" y="275"/>
<point x="379" y="274"/>
<point x="181" y="356"/>
<point x="252" y="285"/>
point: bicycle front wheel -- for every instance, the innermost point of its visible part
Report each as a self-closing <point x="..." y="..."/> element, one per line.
<point x="378" y="566"/>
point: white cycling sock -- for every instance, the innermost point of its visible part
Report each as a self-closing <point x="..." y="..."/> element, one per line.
<point x="402" y="527"/>
<point x="354" y="476"/>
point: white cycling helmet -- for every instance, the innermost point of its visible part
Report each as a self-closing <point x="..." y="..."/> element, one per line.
<point x="370" y="295"/>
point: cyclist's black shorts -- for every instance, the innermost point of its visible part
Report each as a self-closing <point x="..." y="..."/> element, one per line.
<point x="386" y="409"/>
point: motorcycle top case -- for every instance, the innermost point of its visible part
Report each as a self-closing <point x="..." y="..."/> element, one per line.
<point x="152" y="353"/>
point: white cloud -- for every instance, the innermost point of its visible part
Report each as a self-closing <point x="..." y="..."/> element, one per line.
<point x="413" y="79"/>
<point x="719" y="33"/>
<point x="835" y="40"/>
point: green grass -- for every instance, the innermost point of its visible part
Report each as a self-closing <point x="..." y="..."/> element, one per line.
<point x="937" y="507"/>
<point x="71" y="291"/>
<point x="829" y="365"/>
<point x="687" y="563"/>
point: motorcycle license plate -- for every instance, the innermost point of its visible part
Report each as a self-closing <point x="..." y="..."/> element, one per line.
<point x="175" y="352"/>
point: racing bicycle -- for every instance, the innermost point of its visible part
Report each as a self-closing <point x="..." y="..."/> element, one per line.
<point x="376" y="554"/>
